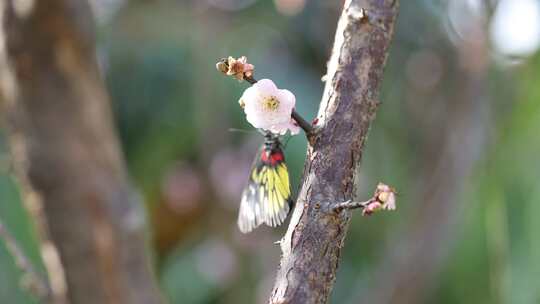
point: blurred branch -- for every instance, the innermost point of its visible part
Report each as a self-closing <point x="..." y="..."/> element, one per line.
<point x="312" y="245"/>
<point x="407" y="269"/>
<point x="63" y="143"/>
<point x="490" y="7"/>
<point x="31" y="280"/>
<point x="349" y="205"/>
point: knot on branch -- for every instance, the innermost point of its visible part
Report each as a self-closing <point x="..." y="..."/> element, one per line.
<point x="360" y="15"/>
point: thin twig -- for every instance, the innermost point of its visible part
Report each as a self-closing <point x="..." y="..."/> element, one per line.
<point x="350" y="205"/>
<point x="302" y="123"/>
<point x="250" y="79"/>
<point x="384" y="198"/>
<point x="32" y="281"/>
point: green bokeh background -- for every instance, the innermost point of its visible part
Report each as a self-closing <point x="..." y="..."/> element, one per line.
<point x="173" y="112"/>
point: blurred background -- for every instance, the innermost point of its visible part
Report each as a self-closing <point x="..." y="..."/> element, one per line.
<point x="456" y="135"/>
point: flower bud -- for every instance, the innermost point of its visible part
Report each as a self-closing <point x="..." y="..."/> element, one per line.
<point x="222" y="66"/>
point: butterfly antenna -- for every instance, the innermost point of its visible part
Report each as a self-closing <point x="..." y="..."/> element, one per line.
<point x="240" y="130"/>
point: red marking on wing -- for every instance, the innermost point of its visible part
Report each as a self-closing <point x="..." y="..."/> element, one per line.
<point x="276" y="157"/>
<point x="264" y="156"/>
<point x="272" y="157"/>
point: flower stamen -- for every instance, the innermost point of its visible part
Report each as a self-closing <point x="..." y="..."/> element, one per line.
<point x="270" y="103"/>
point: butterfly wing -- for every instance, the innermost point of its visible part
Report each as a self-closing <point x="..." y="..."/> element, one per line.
<point x="267" y="196"/>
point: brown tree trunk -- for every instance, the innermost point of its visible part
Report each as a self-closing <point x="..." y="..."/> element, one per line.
<point x="58" y="112"/>
<point x="312" y="245"/>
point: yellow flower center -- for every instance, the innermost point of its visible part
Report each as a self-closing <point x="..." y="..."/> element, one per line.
<point x="270" y="103"/>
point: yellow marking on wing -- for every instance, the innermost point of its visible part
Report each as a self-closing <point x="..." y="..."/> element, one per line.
<point x="270" y="179"/>
<point x="276" y="190"/>
<point x="273" y="202"/>
<point x="282" y="188"/>
<point x="280" y="199"/>
<point x="283" y="173"/>
<point x="284" y="178"/>
<point x="255" y="177"/>
<point x="262" y="174"/>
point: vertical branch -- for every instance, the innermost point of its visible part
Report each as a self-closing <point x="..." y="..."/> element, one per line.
<point x="312" y="245"/>
<point x="8" y="90"/>
<point x="62" y="136"/>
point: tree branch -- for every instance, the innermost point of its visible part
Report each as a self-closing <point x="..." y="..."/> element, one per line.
<point x="62" y="139"/>
<point x="302" y="123"/>
<point x="350" y="205"/>
<point x="312" y="245"/>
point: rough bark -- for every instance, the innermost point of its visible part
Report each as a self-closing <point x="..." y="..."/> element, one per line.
<point x="62" y="133"/>
<point x="312" y="245"/>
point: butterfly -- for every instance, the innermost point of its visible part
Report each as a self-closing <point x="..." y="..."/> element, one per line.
<point x="267" y="196"/>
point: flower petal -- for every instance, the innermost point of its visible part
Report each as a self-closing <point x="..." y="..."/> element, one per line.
<point x="269" y="108"/>
<point x="295" y="129"/>
<point x="287" y="98"/>
<point x="284" y="127"/>
<point x="250" y="95"/>
<point x="266" y="87"/>
<point x="391" y="202"/>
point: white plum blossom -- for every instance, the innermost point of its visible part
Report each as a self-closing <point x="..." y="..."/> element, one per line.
<point x="269" y="108"/>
